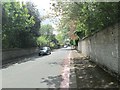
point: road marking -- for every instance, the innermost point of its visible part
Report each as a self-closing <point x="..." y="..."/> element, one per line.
<point x="66" y="72"/>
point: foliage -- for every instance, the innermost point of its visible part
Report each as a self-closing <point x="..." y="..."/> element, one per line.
<point x="47" y="37"/>
<point x="72" y="42"/>
<point x="42" y="41"/>
<point x="33" y="12"/>
<point x="46" y="30"/>
<point x="63" y="34"/>
<point x="88" y="17"/>
<point x="17" y="24"/>
<point x="59" y="37"/>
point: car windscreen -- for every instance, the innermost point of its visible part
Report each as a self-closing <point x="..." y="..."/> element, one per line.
<point x="44" y="48"/>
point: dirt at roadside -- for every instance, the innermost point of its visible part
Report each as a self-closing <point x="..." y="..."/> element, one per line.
<point x="90" y="75"/>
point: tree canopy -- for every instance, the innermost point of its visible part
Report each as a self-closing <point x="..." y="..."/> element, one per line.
<point x="85" y="18"/>
<point x="47" y="37"/>
<point x="20" y="25"/>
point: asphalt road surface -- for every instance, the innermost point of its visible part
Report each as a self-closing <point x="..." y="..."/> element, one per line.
<point x="38" y="71"/>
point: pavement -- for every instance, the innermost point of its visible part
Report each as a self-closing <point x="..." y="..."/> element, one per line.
<point x="89" y="75"/>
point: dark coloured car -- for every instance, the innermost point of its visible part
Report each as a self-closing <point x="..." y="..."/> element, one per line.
<point x="45" y="51"/>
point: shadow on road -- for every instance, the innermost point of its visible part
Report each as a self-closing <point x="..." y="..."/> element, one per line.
<point x="32" y="89"/>
<point x="56" y="63"/>
<point x="68" y="49"/>
<point x="20" y="60"/>
<point x="53" y="81"/>
<point x="90" y="75"/>
<point x="23" y="59"/>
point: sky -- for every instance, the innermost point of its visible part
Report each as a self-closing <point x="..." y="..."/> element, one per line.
<point x="42" y="5"/>
<point x="44" y="8"/>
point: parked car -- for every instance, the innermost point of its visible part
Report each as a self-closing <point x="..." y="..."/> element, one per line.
<point x="65" y="46"/>
<point x="45" y="50"/>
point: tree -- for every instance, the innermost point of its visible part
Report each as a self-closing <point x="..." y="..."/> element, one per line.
<point x="42" y="41"/>
<point x="33" y="12"/>
<point x="47" y="37"/>
<point x="60" y="39"/>
<point x="16" y="26"/>
<point x="85" y="18"/>
<point x="46" y="30"/>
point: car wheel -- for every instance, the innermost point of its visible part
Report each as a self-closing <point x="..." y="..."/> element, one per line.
<point x="39" y="54"/>
<point x="48" y="53"/>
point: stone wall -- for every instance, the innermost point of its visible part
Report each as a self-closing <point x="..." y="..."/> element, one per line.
<point x="9" y="54"/>
<point x="102" y="47"/>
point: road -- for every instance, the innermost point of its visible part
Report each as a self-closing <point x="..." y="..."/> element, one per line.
<point x="39" y="71"/>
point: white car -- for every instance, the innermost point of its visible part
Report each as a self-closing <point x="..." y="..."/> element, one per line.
<point x="65" y="46"/>
<point x="45" y="50"/>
